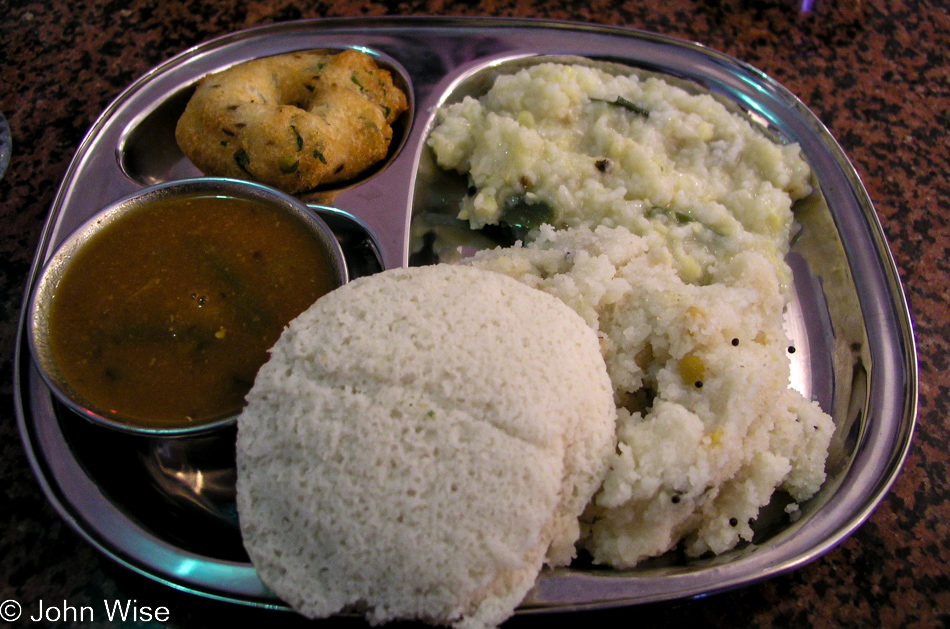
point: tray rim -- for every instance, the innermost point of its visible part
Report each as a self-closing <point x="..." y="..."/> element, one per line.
<point x="896" y="304"/>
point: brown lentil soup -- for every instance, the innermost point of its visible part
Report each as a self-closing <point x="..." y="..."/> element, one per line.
<point x="164" y="318"/>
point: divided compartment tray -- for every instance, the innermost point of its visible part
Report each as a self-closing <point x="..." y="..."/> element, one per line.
<point x="136" y="500"/>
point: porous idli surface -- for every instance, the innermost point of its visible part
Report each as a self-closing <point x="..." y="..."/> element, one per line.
<point x="420" y="444"/>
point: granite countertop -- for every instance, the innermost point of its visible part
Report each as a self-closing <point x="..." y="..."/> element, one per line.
<point x="876" y="72"/>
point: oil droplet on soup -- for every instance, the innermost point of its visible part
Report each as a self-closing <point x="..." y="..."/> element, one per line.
<point x="164" y="318"/>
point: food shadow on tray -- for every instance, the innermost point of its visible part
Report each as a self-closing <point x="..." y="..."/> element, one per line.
<point x="179" y="489"/>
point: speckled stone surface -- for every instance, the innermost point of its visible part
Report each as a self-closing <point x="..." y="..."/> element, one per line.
<point x="876" y="72"/>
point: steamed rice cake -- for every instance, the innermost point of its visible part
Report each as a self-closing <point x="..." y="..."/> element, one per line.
<point x="420" y="443"/>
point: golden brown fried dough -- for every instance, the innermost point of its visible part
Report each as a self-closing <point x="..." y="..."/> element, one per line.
<point x="293" y="121"/>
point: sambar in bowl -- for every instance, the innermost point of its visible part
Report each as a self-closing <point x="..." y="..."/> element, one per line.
<point x="154" y="316"/>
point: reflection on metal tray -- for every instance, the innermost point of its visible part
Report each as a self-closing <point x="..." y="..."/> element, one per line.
<point x="166" y="508"/>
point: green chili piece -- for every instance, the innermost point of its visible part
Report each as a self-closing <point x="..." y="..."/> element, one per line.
<point x="680" y="217"/>
<point x="626" y="104"/>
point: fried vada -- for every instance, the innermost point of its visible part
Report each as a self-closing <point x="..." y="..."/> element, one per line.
<point x="293" y="121"/>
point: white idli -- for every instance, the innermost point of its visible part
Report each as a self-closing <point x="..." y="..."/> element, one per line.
<point x="420" y="443"/>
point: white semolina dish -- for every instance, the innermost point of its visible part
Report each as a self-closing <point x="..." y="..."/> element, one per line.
<point x="708" y="427"/>
<point x="586" y="148"/>
<point x="668" y="220"/>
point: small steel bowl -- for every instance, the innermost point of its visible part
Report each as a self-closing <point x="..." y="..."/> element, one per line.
<point x="41" y="299"/>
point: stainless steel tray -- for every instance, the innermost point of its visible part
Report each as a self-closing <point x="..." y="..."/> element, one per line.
<point x="165" y="508"/>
